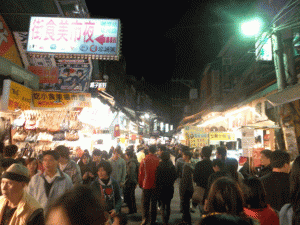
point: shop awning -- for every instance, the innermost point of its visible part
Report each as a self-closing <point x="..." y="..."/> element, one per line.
<point x="287" y="95"/>
<point x="19" y="74"/>
<point x="260" y="94"/>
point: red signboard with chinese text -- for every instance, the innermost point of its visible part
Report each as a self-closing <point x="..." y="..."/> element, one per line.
<point x="46" y="74"/>
<point x="92" y="37"/>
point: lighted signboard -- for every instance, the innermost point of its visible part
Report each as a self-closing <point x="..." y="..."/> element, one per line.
<point x="73" y="37"/>
<point x="263" y="47"/>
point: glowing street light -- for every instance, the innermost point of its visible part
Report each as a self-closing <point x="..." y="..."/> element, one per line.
<point x="251" y="28"/>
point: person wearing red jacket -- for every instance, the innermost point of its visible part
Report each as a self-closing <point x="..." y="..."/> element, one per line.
<point x="147" y="172"/>
<point x="256" y="205"/>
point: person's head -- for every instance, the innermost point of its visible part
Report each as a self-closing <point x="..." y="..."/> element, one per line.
<point x="66" y="210"/>
<point x="104" y="155"/>
<point x="10" y="151"/>
<point x="265" y="157"/>
<point x="196" y="154"/>
<point x="50" y="161"/>
<point x="129" y="154"/>
<point x="221" y="152"/>
<point x="13" y="181"/>
<point x="161" y="149"/>
<point x="280" y="161"/>
<point x="96" y="155"/>
<point x="231" y="169"/>
<point x="63" y="152"/>
<point x="104" y="170"/>
<point x="187" y="155"/>
<point x="206" y="152"/>
<point x="225" y="196"/>
<point x="218" y="165"/>
<point x="165" y="156"/>
<point x="152" y="149"/>
<point x="85" y="158"/>
<point x="117" y="153"/>
<point x="255" y="196"/>
<point x="32" y="166"/>
<point x="223" y="219"/>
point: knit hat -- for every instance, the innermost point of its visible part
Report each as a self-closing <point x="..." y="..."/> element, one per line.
<point x="17" y="172"/>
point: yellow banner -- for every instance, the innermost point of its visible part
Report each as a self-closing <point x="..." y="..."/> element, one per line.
<point x="61" y="99"/>
<point x="19" y="97"/>
<point x="196" y="136"/>
<point x="220" y="136"/>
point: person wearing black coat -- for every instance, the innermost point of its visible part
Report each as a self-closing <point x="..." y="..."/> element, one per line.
<point x="87" y="168"/>
<point x="165" y="179"/>
<point x="131" y="181"/>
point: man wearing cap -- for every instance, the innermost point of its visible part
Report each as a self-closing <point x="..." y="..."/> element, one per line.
<point x="48" y="186"/>
<point x="67" y="165"/>
<point x="16" y="206"/>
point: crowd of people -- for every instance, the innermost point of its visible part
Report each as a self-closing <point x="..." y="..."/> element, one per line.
<point x="57" y="188"/>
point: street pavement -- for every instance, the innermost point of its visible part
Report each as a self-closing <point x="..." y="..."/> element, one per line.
<point x="175" y="209"/>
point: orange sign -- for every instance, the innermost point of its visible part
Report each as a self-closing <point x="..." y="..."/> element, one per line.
<point x="8" y="47"/>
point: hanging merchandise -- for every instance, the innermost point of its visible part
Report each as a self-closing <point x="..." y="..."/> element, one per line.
<point x="31" y="137"/>
<point x="75" y="124"/>
<point x="117" y="131"/>
<point x="72" y="136"/>
<point x="19" y="122"/>
<point x="59" y="136"/>
<point x="30" y="123"/>
<point x="20" y="135"/>
<point x="45" y="137"/>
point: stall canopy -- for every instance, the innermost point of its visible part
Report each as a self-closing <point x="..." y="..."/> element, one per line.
<point x="287" y="95"/>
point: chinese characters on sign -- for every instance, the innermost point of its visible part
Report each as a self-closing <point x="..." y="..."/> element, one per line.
<point x="60" y="99"/>
<point x="15" y="96"/>
<point x="196" y="136"/>
<point x="75" y="36"/>
<point x="99" y="85"/>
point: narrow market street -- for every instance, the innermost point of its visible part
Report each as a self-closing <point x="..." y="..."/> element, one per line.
<point x="175" y="214"/>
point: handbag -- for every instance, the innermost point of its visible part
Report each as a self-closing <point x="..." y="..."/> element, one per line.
<point x="198" y="194"/>
<point x="75" y="124"/>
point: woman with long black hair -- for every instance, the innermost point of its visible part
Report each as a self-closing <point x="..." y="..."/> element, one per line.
<point x="226" y="197"/>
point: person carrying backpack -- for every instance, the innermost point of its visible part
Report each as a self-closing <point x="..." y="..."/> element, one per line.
<point x="131" y="181"/>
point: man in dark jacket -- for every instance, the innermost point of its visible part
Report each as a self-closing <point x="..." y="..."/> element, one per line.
<point x="265" y="161"/>
<point x="131" y="181"/>
<point x="165" y="178"/>
<point x="276" y="183"/>
<point x="186" y="187"/>
<point x="203" y="170"/>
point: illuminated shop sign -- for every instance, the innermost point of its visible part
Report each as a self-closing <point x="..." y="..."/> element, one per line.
<point x="68" y="37"/>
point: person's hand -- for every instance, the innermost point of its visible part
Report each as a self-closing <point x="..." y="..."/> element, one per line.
<point x="85" y="176"/>
<point x="91" y="174"/>
<point x="112" y="213"/>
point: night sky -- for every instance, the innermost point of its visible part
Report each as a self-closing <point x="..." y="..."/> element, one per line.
<point x="162" y="40"/>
